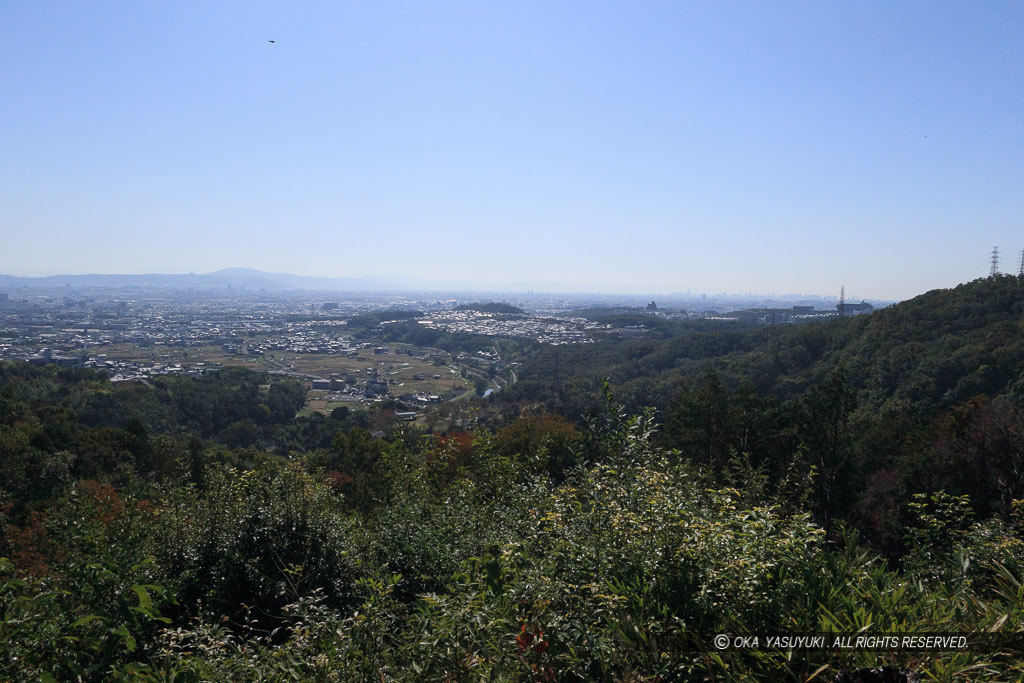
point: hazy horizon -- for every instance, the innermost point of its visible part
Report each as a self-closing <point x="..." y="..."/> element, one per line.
<point x="656" y="147"/>
<point x="399" y="283"/>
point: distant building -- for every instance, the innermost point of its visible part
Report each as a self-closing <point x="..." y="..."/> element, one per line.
<point x="773" y="317"/>
<point x="628" y="331"/>
<point x="330" y="306"/>
<point x="47" y="357"/>
<point x="847" y="308"/>
<point x="375" y="388"/>
<point x="652" y="306"/>
<point x="781" y="316"/>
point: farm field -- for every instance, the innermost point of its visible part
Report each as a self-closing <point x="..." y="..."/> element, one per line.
<point x="411" y="374"/>
<point x="439" y="375"/>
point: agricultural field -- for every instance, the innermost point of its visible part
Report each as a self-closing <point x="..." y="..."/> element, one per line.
<point x="426" y="371"/>
<point x="413" y="375"/>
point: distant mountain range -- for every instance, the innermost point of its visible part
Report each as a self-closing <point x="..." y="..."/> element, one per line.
<point x="222" y="279"/>
<point x="258" y="280"/>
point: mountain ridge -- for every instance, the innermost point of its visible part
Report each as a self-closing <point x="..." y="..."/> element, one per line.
<point x="219" y="279"/>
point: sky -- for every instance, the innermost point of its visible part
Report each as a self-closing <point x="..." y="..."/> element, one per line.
<point x="628" y="147"/>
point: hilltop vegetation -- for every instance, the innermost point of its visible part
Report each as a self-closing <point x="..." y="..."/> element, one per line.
<point x="861" y="474"/>
<point x="934" y="352"/>
<point x="493" y="307"/>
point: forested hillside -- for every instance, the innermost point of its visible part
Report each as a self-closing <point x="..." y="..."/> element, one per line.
<point x="916" y="398"/>
<point x="856" y="476"/>
<point x="934" y="351"/>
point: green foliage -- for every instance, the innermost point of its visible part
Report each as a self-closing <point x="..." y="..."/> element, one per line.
<point x="492" y="307"/>
<point x="87" y="605"/>
<point x="259" y="538"/>
<point x="935" y="351"/>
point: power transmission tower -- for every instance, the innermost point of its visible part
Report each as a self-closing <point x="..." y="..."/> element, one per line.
<point x="995" y="261"/>
<point x="1021" y="273"/>
<point x="842" y="301"/>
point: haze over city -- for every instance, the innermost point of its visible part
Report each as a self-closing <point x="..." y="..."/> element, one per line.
<point x="635" y="148"/>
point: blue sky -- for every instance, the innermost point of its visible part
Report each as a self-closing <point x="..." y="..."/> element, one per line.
<point x="767" y="147"/>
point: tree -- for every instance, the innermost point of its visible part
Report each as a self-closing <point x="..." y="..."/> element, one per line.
<point x="701" y="422"/>
<point x="285" y="398"/>
<point x="824" y="426"/>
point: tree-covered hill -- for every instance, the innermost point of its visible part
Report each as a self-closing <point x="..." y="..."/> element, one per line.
<point x="932" y="352"/>
<point x="492" y="307"/>
<point x="941" y="348"/>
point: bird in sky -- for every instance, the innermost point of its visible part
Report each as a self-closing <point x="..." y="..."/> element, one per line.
<point x="271" y="41"/>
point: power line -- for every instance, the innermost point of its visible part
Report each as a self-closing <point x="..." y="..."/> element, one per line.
<point x="896" y="288"/>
